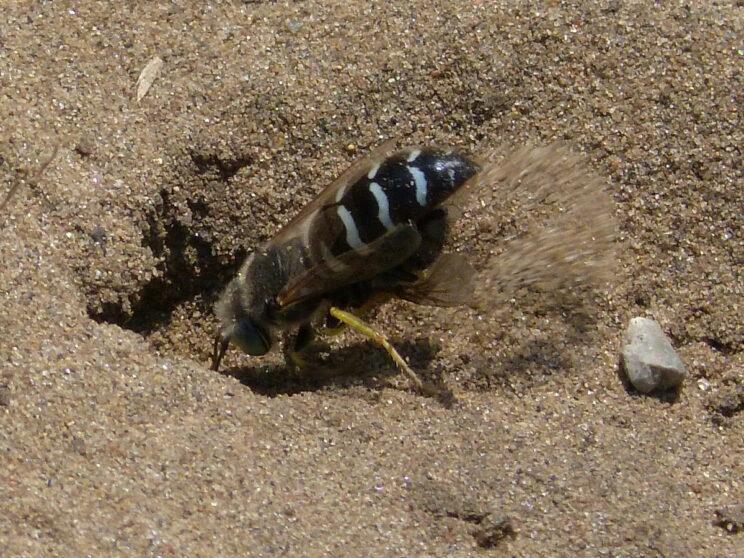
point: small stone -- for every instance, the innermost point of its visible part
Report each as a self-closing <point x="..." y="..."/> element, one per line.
<point x="78" y="446"/>
<point x="85" y="147"/>
<point x="4" y="396"/>
<point x="98" y="235"/>
<point x="493" y="529"/>
<point x="294" y="25"/>
<point x="730" y="518"/>
<point x="649" y="359"/>
<point x="726" y="403"/>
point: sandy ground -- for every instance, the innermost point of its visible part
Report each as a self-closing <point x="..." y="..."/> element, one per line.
<point x="116" y="439"/>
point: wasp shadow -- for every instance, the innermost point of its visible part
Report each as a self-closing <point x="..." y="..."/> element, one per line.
<point x="364" y="361"/>
<point x="532" y="360"/>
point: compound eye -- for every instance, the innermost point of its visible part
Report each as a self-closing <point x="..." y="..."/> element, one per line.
<point x="251" y="338"/>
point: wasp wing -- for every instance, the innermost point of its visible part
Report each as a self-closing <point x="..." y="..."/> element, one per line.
<point x="450" y="281"/>
<point x="328" y="195"/>
<point x="382" y="254"/>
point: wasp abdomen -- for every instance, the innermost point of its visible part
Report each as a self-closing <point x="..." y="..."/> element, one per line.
<point x="400" y="189"/>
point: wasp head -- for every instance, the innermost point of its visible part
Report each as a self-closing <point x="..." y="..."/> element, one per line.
<point x="245" y="308"/>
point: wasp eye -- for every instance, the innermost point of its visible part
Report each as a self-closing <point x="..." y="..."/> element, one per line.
<point x="251" y="338"/>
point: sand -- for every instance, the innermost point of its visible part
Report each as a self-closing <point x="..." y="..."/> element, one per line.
<point x="116" y="438"/>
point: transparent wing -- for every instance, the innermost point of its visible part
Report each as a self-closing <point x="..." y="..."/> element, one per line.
<point x="384" y="253"/>
<point x="450" y="281"/>
<point x="328" y="195"/>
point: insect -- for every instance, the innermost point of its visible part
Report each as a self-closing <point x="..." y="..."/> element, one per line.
<point x="377" y="232"/>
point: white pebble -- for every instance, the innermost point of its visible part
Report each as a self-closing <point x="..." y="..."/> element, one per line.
<point x="649" y="359"/>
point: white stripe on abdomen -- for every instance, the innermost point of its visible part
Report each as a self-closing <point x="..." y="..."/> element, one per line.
<point x="352" y="234"/>
<point x="383" y="208"/>
<point x="420" y="180"/>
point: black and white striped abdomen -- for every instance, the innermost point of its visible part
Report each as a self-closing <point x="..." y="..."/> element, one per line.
<point x="401" y="189"/>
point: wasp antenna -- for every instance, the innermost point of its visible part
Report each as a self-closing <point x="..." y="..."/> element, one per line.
<point x="219" y="350"/>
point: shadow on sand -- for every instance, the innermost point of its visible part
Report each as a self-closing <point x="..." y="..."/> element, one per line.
<point x="364" y="361"/>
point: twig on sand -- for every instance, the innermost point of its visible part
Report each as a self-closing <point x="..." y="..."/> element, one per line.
<point x="34" y="177"/>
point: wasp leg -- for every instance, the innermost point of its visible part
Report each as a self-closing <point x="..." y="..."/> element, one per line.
<point x="295" y="345"/>
<point x="295" y="361"/>
<point x="365" y="329"/>
<point x="333" y="327"/>
<point x="219" y="350"/>
<point x="305" y="336"/>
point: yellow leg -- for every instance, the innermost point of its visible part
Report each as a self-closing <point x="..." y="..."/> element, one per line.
<point x="365" y="329"/>
<point x="333" y="331"/>
<point x="292" y="356"/>
<point x="358" y="312"/>
<point x="297" y="361"/>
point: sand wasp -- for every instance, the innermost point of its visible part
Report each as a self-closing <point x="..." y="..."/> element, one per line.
<point x="376" y="232"/>
<point x="380" y="231"/>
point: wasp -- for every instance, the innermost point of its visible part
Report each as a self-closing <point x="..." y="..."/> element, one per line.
<point x="377" y="232"/>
